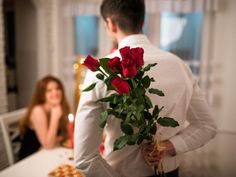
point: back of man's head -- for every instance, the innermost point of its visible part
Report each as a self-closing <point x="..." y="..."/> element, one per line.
<point x="127" y="14"/>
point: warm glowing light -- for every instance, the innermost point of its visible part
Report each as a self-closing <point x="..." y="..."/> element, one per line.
<point x="81" y="86"/>
<point x="82" y="60"/>
<point x="82" y="73"/>
<point x="75" y="66"/>
<point x="71" y="117"/>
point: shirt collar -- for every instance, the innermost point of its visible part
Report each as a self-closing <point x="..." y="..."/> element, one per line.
<point x="134" y="39"/>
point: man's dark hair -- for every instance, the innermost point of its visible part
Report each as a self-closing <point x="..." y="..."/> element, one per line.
<point x="127" y="14"/>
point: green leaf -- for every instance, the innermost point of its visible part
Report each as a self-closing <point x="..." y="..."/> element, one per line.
<point x="167" y="122"/>
<point x="146" y="81"/>
<point x="142" y="128"/>
<point x="90" y="87"/>
<point x="156" y="91"/>
<point x="100" y="76"/>
<point x="147" y="115"/>
<point x="115" y="99"/>
<point x="126" y="128"/>
<point x="103" y="64"/>
<point x="128" y="118"/>
<point x="140" y="100"/>
<point x="140" y="91"/>
<point x="148" y="102"/>
<point x="140" y="74"/>
<point x="108" y="83"/>
<point x="140" y="139"/>
<point x="120" y="142"/>
<point x="153" y="129"/>
<point x="156" y="111"/>
<point x="134" y="84"/>
<point x="148" y="67"/>
<point x="152" y="79"/>
<point x="138" y="115"/>
<point x="140" y="108"/>
<point x="122" y="115"/>
<point x="107" y="99"/>
<point x="125" y="98"/>
<point x="133" y="139"/>
<point x="103" y="119"/>
<point x="113" y="112"/>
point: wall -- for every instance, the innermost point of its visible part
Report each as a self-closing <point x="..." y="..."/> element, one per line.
<point x="26" y="50"/>
<point x="3" y="102"/>
<point x="224" y="63"/>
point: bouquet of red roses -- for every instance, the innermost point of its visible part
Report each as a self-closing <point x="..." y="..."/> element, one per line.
<point x="129" y="102"/>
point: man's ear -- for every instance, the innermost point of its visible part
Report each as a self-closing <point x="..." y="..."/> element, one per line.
<point x="111" y="25"/>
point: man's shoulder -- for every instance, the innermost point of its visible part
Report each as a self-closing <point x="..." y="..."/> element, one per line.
<point x="116" y="53"/>
<point x="153" y="52"/>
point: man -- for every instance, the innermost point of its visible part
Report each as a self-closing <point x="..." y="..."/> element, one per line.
<point x="183" y="100"/>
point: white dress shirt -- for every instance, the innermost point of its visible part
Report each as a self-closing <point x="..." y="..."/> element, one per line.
<point x="184" y="101"/>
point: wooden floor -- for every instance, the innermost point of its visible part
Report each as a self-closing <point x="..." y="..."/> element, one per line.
<point x="216" y="159"/>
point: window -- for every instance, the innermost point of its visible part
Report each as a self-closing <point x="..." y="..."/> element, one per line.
<point x="86" y="34"/>
<point x="146" y="24"/>
<point x="181" y="34"/>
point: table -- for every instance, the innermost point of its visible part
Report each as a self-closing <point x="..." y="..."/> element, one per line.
<point x="39" y="164"/>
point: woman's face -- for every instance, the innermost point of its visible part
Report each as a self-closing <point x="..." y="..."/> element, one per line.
<point x="53" y="94"/>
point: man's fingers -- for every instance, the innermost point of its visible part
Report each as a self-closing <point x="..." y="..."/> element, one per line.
<point x="151" y="156"/>
<point x="147" y="148"/>
<point x="153" y="162"/>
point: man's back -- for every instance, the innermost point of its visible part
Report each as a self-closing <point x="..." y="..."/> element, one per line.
<point x="174" y="79"/>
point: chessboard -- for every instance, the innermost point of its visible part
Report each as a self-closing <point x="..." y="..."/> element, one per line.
<point x="65" y="170"/>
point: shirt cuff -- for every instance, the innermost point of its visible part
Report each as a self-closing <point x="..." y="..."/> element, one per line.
<point x="179" y="144"/>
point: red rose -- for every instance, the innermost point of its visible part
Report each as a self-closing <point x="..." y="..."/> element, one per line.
<point x="121" y="86"/>
<point x="129" y="71"/>
<point x="91" y="63"/>
<point x="125" y="52"/>
<point x="128" y="63"/>
<point x="137" y="54"/>
<point x="114" y="64"/>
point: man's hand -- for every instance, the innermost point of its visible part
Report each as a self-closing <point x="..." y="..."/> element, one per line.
<point x="153" y="157"/>
<point x="169" y="148"/>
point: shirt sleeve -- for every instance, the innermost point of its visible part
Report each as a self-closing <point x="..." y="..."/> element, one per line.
<point x="201" y="126"/>
<point x="88" y="135"/>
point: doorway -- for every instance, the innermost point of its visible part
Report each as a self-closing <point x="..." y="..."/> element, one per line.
<point x="20" y="30"/>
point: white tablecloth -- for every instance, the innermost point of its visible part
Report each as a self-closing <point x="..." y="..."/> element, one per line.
<point x="39" y="164"/>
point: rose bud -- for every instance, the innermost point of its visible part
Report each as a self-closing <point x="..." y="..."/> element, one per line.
<point x="128" y="64"/>
<point x="137" y="54"/>
<point x="91" y="63"/>
<point x="115" y="65"/>
<point x="121" y="86"/>
<point x="129" y="71"/>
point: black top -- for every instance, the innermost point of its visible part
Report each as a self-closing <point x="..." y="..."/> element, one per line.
<point x="29" y="144"/>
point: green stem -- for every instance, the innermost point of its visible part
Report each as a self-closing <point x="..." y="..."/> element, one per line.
<point x="155" y="171"/>
<point x="133" y="83"/>
<point x="103" y="72"/>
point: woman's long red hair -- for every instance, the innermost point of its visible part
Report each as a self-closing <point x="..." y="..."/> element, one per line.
<point x="39" y="99"/>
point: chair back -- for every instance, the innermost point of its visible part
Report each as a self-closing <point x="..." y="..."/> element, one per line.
<point x="9" y="123"/>
<point x="4" y="161"/>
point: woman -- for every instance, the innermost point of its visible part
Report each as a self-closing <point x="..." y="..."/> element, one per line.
<point x="45" y="123"/>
